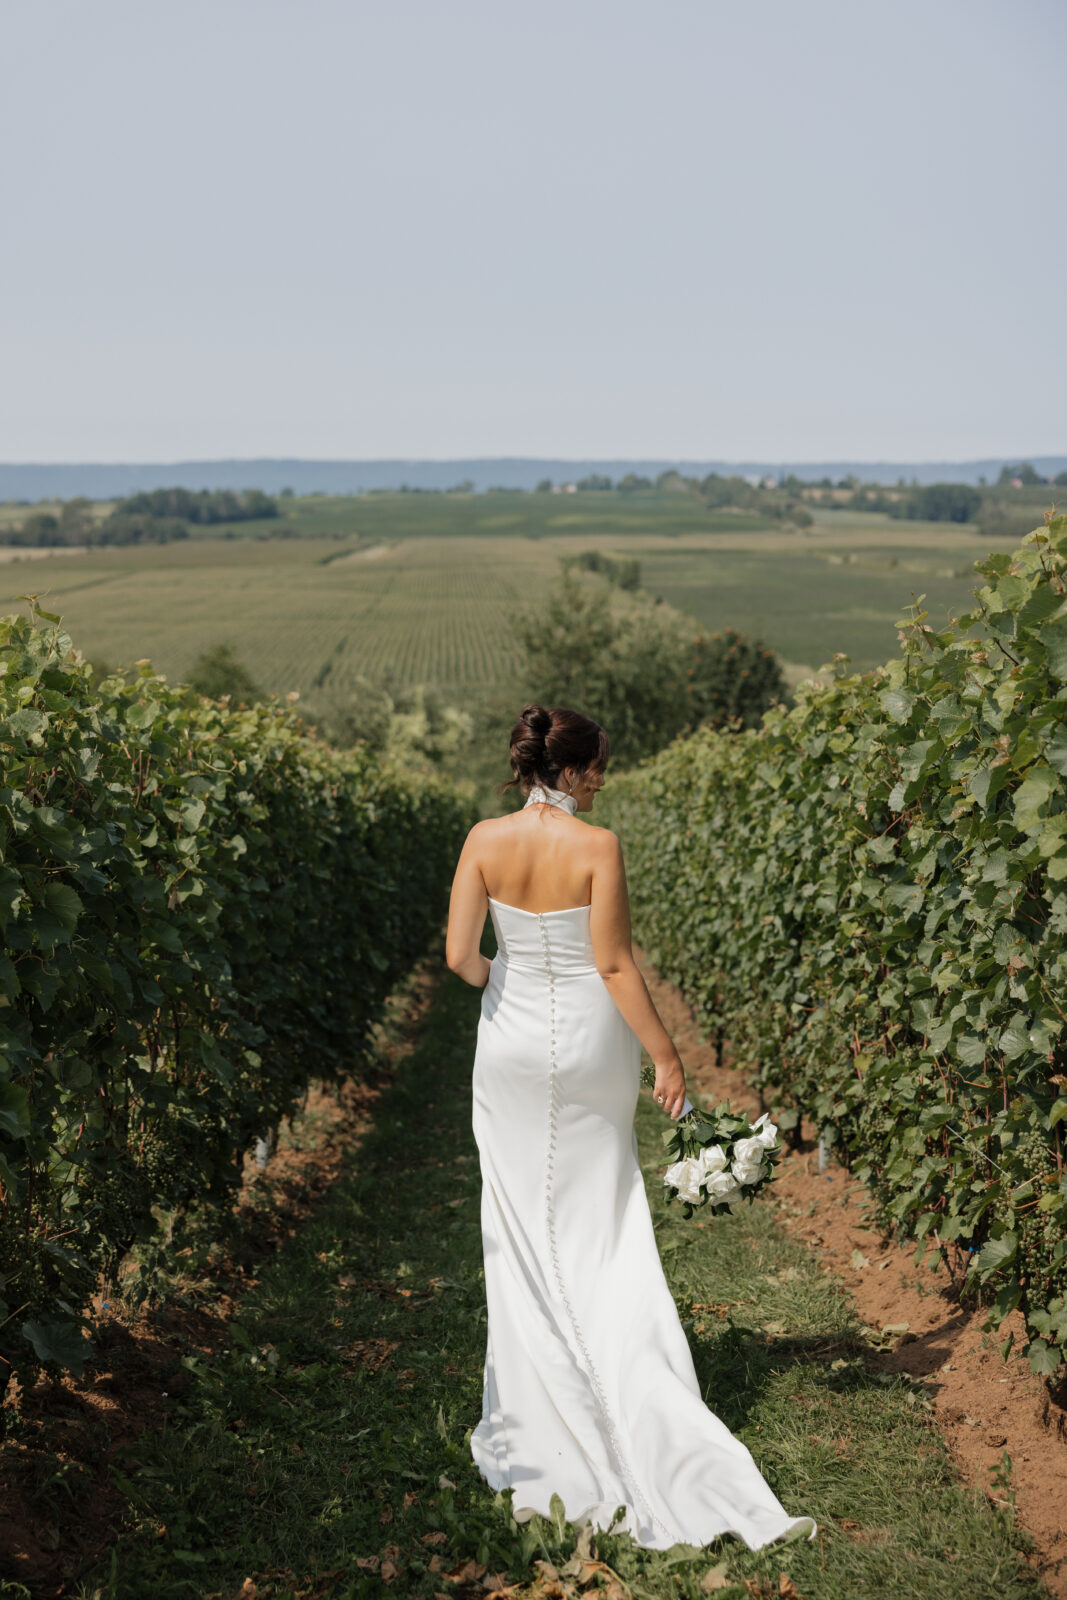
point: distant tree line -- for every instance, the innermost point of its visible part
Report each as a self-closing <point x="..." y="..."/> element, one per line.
<point x="1006" y="509"/>
<point x="733" y="493"/>
<point x="1026" y="476"/>
<point x="938" y="502"/>
<point x="156" y="517"/>
<point x="201" y="507"/>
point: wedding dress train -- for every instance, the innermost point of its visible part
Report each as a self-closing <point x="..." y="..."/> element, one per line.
<point x="589" y="1389"/>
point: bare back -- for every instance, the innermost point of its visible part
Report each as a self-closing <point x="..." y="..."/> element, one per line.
<point x="543" y="859"/>
<point x="539" y="859"/>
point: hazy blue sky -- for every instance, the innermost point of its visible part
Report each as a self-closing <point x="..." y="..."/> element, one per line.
<point x="580" y="227"/>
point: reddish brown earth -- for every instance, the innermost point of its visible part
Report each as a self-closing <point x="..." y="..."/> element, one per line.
<point x="983" y="1404"/>
<point x="58" y="1507"/>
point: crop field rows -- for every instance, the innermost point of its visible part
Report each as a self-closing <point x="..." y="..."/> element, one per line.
<point x="304" y="613"/>
<point x="422" y="614"/>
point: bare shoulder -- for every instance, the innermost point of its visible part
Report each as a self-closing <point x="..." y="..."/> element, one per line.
<point x="606" y="847"/>
<point x="480" y="833"/>
<point x="488" y="834"/>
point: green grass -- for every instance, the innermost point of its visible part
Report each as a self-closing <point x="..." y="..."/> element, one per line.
<point x="333" y="1430"/>
<point x="426" y="587"/>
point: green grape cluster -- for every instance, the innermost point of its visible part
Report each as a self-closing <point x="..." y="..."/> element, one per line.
<point x="1038" y="1232"/>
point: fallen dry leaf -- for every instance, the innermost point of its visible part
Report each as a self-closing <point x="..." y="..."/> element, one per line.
<point x="469" y="1572"/>
<point x="369" y="1353"/>
<point x="767" y="1589"/>
<point x="715" y="1578"/>
<point x="584" y="1571"/>
<point x="434" y="1538"/>
<point x="367" y="1563"/>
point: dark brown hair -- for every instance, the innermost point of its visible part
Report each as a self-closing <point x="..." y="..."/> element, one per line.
<point x="543" y="742"/>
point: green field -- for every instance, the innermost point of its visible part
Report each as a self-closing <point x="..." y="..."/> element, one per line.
<point x="428" y="586"/>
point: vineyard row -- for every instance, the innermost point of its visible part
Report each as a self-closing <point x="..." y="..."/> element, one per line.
<point x="203" y="909"/>
<point x="868" y="897"/>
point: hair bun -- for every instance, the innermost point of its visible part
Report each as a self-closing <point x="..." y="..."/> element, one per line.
<point x="536" y="720"/>
<point x="544" y="742"/>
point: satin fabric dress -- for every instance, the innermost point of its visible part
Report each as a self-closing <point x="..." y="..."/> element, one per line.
<point x="589" y="1388"/>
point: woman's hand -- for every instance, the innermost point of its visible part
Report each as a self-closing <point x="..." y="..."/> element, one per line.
<point x="669" y="1088"/>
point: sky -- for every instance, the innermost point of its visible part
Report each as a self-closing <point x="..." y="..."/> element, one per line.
<point x="446" y="228"/>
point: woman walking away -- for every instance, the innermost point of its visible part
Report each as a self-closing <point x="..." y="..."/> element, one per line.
<point x="590" y="1390"/>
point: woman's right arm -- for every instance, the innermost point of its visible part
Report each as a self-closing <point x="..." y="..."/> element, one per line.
<point x="609" y="928"/>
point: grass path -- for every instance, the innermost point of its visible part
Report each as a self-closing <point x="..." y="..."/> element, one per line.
<point x="324" y="1454"/>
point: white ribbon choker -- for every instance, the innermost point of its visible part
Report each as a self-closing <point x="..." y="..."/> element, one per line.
<point x="540" y="794"/>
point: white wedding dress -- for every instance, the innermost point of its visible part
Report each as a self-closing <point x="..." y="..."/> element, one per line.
<point x="590" y="1390"/>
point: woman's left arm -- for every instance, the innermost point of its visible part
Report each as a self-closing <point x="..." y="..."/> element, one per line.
<point x="466" y="918"/>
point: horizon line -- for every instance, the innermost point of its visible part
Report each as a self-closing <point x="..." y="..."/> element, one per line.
<point x="881" y="461"/>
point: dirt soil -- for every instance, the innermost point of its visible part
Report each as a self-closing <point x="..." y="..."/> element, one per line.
<point x="983" y="1404"/>
<point x="58" y="1504"/>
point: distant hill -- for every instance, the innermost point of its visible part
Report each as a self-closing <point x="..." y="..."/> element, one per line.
<point x="106" y="480"/>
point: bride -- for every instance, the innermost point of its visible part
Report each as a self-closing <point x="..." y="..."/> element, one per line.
<point x="589" y="1391"/>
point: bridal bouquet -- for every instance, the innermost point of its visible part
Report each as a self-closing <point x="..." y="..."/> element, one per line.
<point x="720" y="1157"/>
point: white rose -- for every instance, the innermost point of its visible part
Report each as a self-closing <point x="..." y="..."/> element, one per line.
<point x="685" y="1176"/>
<point x="712" y="1159"/>
<point x="722" y="1188"/>
<point x="747" y="1172"/>
<point x="748" y="1152"/>
<point x="768" y="1134"/>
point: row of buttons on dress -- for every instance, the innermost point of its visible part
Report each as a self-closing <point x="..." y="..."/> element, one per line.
<point x="553" y="1252"/>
